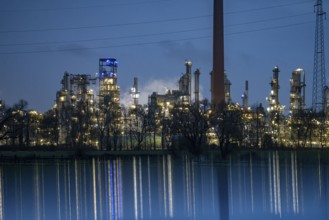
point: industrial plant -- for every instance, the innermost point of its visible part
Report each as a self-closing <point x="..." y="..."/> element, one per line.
<point x="88" y="112"/>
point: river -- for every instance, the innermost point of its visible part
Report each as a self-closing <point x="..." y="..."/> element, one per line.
<point x="259" y="185"/>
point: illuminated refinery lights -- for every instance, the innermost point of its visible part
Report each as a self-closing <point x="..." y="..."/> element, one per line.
<point x="297" y="90"/>
<point x="273" y="99"/>
<point x="134" y="91"/>
<point x="109" y="91"/>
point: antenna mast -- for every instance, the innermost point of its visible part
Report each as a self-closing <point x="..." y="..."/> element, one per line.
<point x="319" y="72"/>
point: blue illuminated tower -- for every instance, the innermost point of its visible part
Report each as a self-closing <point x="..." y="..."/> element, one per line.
<point x="109" y="91"/>
<point x="319" y="72"/>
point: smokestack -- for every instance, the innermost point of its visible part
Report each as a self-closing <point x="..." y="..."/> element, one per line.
<point x="196" y="87"/>
<point x="188" y="65"/>
<point x="245" y="96"/>
<point x="217" y="76"/>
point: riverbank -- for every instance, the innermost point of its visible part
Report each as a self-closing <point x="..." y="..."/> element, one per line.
<point x="28" y="153"/>
<point x="51" y="153"/>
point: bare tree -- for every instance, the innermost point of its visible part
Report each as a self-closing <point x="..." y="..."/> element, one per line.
<point x="191" y="123"/>
<point x="227" y="125"/>
<point x="303" y="127"/>
<point x="138" y="126"/>
<point x="12" y="122"/>
<point x="49" y="127"/>
<point x="108" y="124"/>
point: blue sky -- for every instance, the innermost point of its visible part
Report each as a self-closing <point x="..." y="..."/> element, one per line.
<point x="40" y="40"/>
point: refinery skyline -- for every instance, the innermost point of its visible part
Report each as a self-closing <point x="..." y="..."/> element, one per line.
<point x="151" y="41"/>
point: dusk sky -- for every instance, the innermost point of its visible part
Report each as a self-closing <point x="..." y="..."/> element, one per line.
<point x="151" y="39"/>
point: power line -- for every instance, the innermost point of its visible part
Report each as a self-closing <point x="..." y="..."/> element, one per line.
<point x="152" y="42"/>
<point x="145" y="22"/>
<point x="107" y="38"/>
<point x="268" y="7"/>
<point x="84" y="7"/>
<point x="102" y="47"/>
<point x="270" y="19"/>
<point x="153" y="34"/>
<point x="270" y="28"/>
<point x="143" y="2"/>
<point x="107" y="25"/>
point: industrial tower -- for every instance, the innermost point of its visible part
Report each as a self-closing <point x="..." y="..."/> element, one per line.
<point x="217" y="76"/>
<point x="319" y="71"/>
<point x="297" y="90"/>
<point x="109" y="91"/>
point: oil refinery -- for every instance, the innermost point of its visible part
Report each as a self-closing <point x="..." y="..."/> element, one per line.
<point x="88" y="111"/>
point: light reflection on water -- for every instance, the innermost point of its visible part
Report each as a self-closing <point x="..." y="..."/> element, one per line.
<point x="271" y="185"/>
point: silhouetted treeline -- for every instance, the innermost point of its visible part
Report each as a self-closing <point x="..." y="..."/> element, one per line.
<point x="194" y="128"/>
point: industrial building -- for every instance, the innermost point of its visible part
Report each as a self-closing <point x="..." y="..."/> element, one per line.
<point x="109" y="91"/>
<point x="134" y="92"/>
<point x="297" y="90"/>
<point x="245" y="96"/>
<point x="162" y="104"/>
<point x="75" y="103"/>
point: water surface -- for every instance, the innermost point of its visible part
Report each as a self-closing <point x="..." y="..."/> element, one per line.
<point x="266" y="185"/>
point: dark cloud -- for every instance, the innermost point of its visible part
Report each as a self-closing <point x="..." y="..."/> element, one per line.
<point x="185" y="50"/>
<point x="75" y="49"/>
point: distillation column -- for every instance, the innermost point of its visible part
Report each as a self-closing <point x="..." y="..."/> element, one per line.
<point x="196" y="86"/>
<point x="134" y="91"/>
<point x="244" y="96"/>
<point x="297" y="90"/>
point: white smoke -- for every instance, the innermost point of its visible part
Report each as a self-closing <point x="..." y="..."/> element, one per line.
<point x="160" y="86"/>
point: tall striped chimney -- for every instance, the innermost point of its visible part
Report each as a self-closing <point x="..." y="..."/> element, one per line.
<point x="217" y="76"/>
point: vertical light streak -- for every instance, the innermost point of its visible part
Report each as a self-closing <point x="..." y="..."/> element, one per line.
<point x="65" y="189"/>
<point x="193" y="189"/>
<point x="135" y="188"/>
<point x="239" y="184"/>
<point x="301" y="192"/>
<point x="115" y="191"/>
<point x="274" y="183"/>
<point x="37" y="191"/>
<point x="164" y="185"/>
<point x="293" y="186"/>
<point x="59" y="216"/>
<point x="100" y="195"/>
<point x="319" y="175"/>
<point x="213" y="187"/>
<point x="85" y="190"/>
<point x="278" y="183"/>
<point x="120" y="188"/>
<point x="287" y="184"/>
<point x="1" y="195"/>
<point x="264" y="191"/>
<point x="230" y="184"/>
<point x="149" y="185"/>
<point x="18" y="192"/>
<point x="270" y="181"/>
<point x="94" y="188"/>
<point x="69" y="189"/>
<point x="43" y="192"/>
<point x="251" y="183"/>
<point x="294" y="177"/>
<point x="76" y="189"/>
<point x="109" y="176"/>
<point x="297" y="185"/>
<point x="21" y="190"/>
<point x="187" y="181"/>
<point x="170" y="192"/>
<point x="140" y="187"/>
